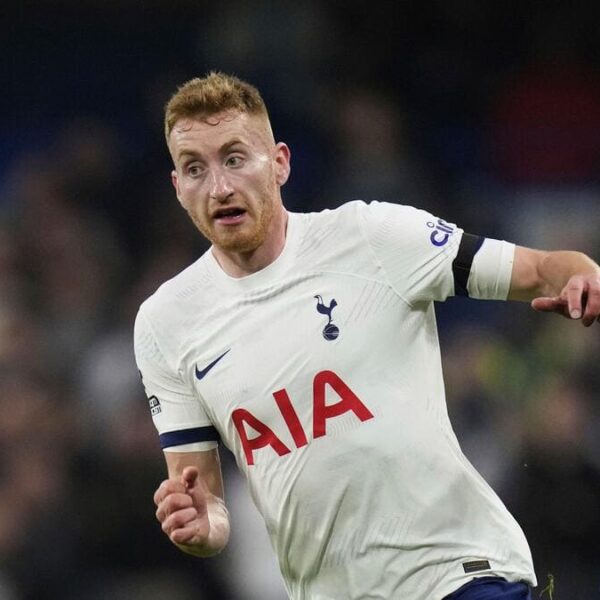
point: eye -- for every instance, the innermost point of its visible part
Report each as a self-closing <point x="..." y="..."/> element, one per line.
<point x="234" y="160"/>
<point x="194" y="170"/>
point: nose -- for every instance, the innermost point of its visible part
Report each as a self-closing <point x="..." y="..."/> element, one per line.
<point x="220" y="187"/>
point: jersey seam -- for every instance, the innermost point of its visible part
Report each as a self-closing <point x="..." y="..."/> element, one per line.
<point x="155" y="337"/>
<point x="379" y="264"/>
<point x="179" y="376"/>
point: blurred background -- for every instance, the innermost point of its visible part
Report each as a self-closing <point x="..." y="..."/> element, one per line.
<point x="485" y="113"/>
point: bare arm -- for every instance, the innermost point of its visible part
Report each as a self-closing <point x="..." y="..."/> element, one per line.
<point x="565" y="282"/>
<point x="190" y="504"/>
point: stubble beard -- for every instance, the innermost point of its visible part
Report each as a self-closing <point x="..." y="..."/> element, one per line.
<point x="235" y="239"/>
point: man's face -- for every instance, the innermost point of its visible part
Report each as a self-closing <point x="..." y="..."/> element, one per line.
<point x="227" y="175"/>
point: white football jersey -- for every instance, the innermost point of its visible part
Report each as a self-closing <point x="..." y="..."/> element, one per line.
<point x="322" y="374"/>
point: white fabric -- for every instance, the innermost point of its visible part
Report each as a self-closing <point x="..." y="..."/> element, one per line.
<point x="494" y="256"/>
<point x="383" y="507"/>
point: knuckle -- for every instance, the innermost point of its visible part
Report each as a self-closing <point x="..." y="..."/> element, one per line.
<point x="171" y="524"/>
<point x="177" y="502"/>
<point x="178" y="537"/>
<point x="172" y="502"/>
<point x="161" y="492"/>
<point x="158" y="494"/>
<point x="177" y="520"/>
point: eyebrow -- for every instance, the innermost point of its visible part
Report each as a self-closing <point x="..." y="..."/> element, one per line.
<point x="231" y="143"/>
<point x="224" y="148"/>
<point x="186" y="153"/>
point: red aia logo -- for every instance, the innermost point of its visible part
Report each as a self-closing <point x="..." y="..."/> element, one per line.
<point x="349" y="401"/>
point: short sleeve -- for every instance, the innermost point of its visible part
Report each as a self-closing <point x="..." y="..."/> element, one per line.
<point x="492" y="270"/>
<point x="414" y="248"/>
<point x="176" y="409"/>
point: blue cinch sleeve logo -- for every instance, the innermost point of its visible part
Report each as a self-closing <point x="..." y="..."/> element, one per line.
<point x="330" y="331"/>
<point x="441" y="232"/>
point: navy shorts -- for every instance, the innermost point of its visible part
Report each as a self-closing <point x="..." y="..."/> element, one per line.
<point x="491" y="588"/>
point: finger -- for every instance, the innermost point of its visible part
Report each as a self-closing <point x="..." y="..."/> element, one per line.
<point x="183" y="535"/>
<point x="544" y="304"/>
<point x="171" y="504"/>
<point x="159" y="494"/>
<point x="592" y="307"/>
<point x="168" y="486"/>
<point x="188" y="535"/>
<point x="179" y="520"/>
<point x="574" y="292"/>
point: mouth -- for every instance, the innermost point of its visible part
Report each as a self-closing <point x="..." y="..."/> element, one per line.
<point x="229" y="215"/>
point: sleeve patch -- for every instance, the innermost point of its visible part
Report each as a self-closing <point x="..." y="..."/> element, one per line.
<point x="154" y="403"/>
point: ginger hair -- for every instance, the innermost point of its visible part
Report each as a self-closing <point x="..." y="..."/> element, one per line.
<point x="217" y="92"/>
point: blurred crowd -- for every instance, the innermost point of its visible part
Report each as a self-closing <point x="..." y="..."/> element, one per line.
<point x="487" y="114"/>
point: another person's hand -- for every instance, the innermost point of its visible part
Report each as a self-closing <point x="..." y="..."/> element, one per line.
<point x="182" y="509"/>
<point x="579" y="299"/>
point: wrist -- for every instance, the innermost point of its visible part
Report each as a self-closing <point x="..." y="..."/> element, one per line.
<point x="218" y="531"/>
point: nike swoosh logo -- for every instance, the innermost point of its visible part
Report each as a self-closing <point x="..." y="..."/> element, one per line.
<point x="203" y="372"/>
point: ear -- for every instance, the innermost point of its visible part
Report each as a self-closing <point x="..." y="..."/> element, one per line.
<point x="175" y="182"/>
<point x="282" y="163"/>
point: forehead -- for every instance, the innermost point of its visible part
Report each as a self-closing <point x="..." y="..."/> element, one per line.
<point x="212" y="132"/>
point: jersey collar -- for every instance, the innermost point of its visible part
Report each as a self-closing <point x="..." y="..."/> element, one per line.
<point x="271" y="273"/>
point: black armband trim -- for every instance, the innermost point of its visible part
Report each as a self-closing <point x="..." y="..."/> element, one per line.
<point x="189" y="436"/>
<point x="461" y="266"/>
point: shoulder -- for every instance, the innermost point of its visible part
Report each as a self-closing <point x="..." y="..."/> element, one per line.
<point x="373" y="219"/>
<point x="358" y="221"/>
<point x="343" y="239"/>
<point x="174" y="296"/>
<point x="376" y="211"/>
<point x="354" y="213"/>
<point x="357" y="210"/>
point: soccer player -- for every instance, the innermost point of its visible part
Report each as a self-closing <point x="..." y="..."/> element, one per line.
<point x="307" y="344"/>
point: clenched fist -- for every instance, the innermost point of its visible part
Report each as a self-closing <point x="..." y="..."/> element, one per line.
<point x="190" y="515"/>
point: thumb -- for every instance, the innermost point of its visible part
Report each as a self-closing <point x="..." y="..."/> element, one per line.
<point x="189" y="477"/>
<point x="195" y="488"/>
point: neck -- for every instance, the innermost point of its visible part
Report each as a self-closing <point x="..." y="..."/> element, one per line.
<point x="241" y="264"/>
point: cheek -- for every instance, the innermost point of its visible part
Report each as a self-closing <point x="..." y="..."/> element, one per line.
<point x="191" y="196"/>
<point x="258" y="176"/>
<point x="264" y="187"/>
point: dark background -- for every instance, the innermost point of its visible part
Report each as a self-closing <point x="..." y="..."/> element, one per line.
<point x="486" y="113"/>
